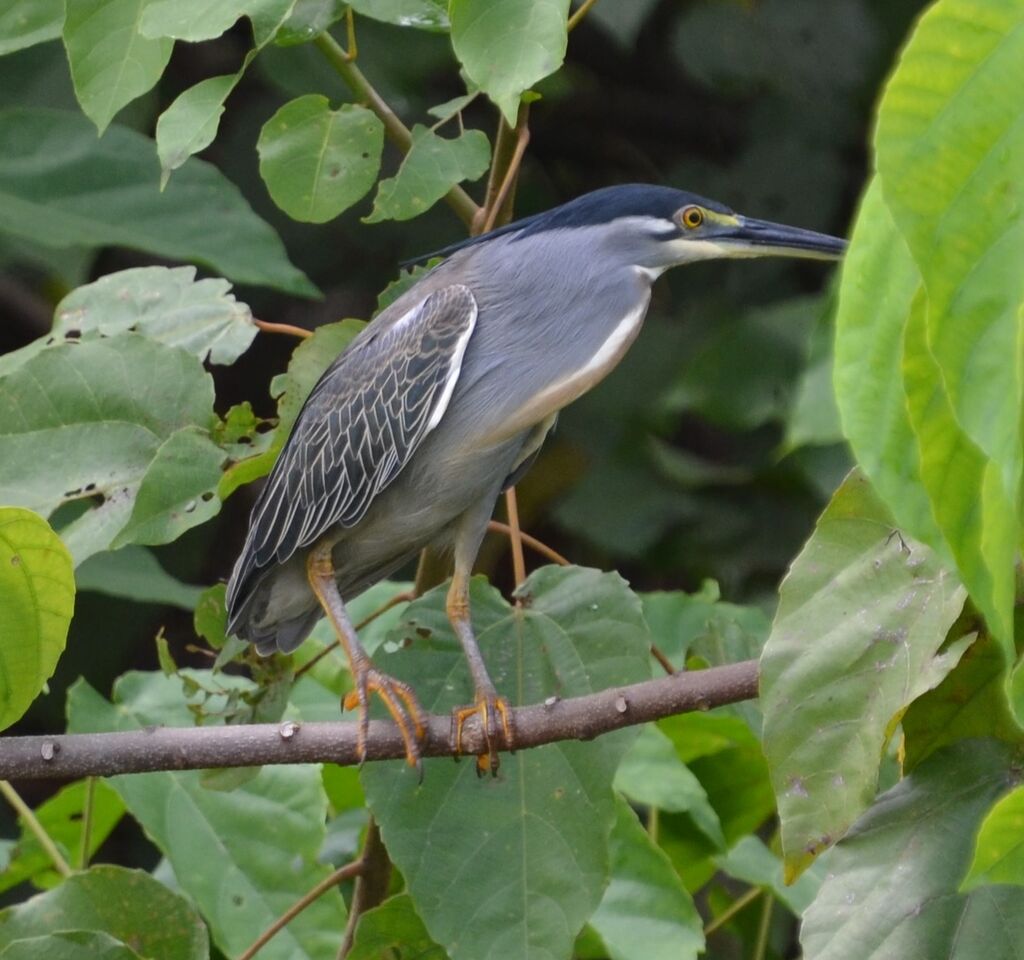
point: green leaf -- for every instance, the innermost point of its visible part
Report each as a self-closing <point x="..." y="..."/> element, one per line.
<point x="308" y="363"/>
<point x="862" y="617"/>
<point x="405" y="280"/>
<point x="752" y="862"/>
<point x="61" y="816"/>
<point x="87" y="421"/>
<point x="429" y="170"/>
<point x="129" y="905"/>
<point x="506" y="46"/>
<point x="423" y="14"/>
<point x="197" y="20"/>
<point x="24" y="23"/>
<point x="38" y="590"/>
<point x="814" y="417"/>
<point x="103" y="192"/>
<point x="167" y="305"/>
<point x="178" y="491"/>
<point x="878" y="286"/>
<point x="652" y="774"/>
<point x="394" y="930"/>
<point x="970" y="702"/>
<point x="208" y="837"/>
<point x="448" y="109"/>
<point x="211" y="619"/>
<point x="999" y="852"/>
<point x="135" y="574"/>
<point x="646" y="913"/>
<point x="317" y="162"/>
<point x="190" y="123"/>
<point x="891" y="888"/>
<point x="547" y="817"/>
<point x="70" y="945"/>
<point x="111" y="62"/>
<point x="308" y="19"/>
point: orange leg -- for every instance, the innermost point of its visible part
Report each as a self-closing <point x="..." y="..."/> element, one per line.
<point x="494" y="711"/>
<point x="397" y="696"/>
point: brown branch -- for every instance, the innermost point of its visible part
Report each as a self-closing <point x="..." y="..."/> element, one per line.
<point x="515" y="537"/>
<point x="267" y="327"/>
<point x="372" y="885"/>
<point x="70" y="756"/>
<point x="581" y="12"/>
<point x="339" y="876"/>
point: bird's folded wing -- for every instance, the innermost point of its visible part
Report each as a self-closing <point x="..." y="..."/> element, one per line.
<point x="361" y="424"/>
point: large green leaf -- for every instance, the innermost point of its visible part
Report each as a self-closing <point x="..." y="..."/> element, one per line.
<point x="429" y="170"/>
<point x="129" y="905"/>
<point x="646" y="913"/>
<point x="862" y="617"/>
<point x="88" y="421"/>
<point x="891" y="889"/>
<point x="111" y="62"/>
<point x="135" y="574"/>
<point x="317" y="161"/>
<point x="547" y="817"/>
<point x="62" y="817"/>
<point x="24" y="23"/>
<point x="506" y="46"/>
<point x="999" y="853"/>
<point x="308" y="363"/>
<point x="245" y="856"/>
<point x="38" y="590"/>
<point x="60" y="186"/>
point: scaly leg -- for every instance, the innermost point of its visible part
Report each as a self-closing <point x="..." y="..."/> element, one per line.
<point x="494" y="711"/>
<point x="397" y="696"/>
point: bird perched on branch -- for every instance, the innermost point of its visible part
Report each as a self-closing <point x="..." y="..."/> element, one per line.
<point x="444" y="400"/>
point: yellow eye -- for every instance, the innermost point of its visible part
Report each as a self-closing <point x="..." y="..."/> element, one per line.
<point x="692" y="217"/>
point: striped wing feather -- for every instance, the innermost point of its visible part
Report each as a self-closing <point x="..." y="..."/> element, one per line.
<point x="359" y="427"/>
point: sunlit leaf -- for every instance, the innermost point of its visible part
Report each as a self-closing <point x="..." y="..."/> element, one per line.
<point x="197" y="20"/>
<point x="424" y="14"/>
<point x="70" y="945"/>
<point x="38" y="590"/>
<point x="24" y="23"/>
<point x="190" y="123"/>
<point x="999" y="853"/>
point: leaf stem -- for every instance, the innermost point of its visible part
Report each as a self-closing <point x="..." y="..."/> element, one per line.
<point x="397" y="132"/>
<point x="515" y="536"/>
<point x="533" y="543"/>
<point x="267" y="327"/>
<point x="87" y="812"/>
<point x="581" y="12"/>
<point x="353" y="869"/>
<point x="31" y="821"/>
<point x="730" y="911"/>
<point x="763" y="929"/>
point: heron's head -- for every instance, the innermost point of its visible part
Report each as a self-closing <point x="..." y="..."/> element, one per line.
<point x="655" y="228"/>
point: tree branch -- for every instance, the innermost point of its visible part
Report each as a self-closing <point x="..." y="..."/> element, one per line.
<point x="194" y="748"/>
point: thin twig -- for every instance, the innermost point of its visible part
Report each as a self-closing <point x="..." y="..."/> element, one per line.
<point x="763" y="929"/>
<point x="372" y="885"/>
<point x="730" y="911"/>
<point x="69" y="756"/>
<point x="658" y="655"/>
<point x="31" y="821"/>
<point x="533" y="543"/>
<point x="404" y="597"/>
<point x="504" y="191"/>
<point x="87" y="812"/>
<point x="515" y="537"/>
<point x="581" y="12"/>
<point x="340" y="875"/>
<point x="267" y="327"/>
<point x="397" y="132"/>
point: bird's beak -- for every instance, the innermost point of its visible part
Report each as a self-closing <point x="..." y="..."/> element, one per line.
<point x="760" y="238"/>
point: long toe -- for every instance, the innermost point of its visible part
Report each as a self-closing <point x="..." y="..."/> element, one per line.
<point x="401" y="703"/>
<point x="496" y="722"/>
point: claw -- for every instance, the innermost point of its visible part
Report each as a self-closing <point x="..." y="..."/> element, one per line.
<point x="495" y="714"/>
<point x="401" y="703"/>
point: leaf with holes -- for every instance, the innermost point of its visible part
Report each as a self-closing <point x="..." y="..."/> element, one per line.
<point x="317" y="162"/>
<point x="38" y="590"/>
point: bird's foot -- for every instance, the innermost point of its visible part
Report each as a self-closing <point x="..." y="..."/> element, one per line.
<point x="495" y="719"/>
<point x="402" y="704"/>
